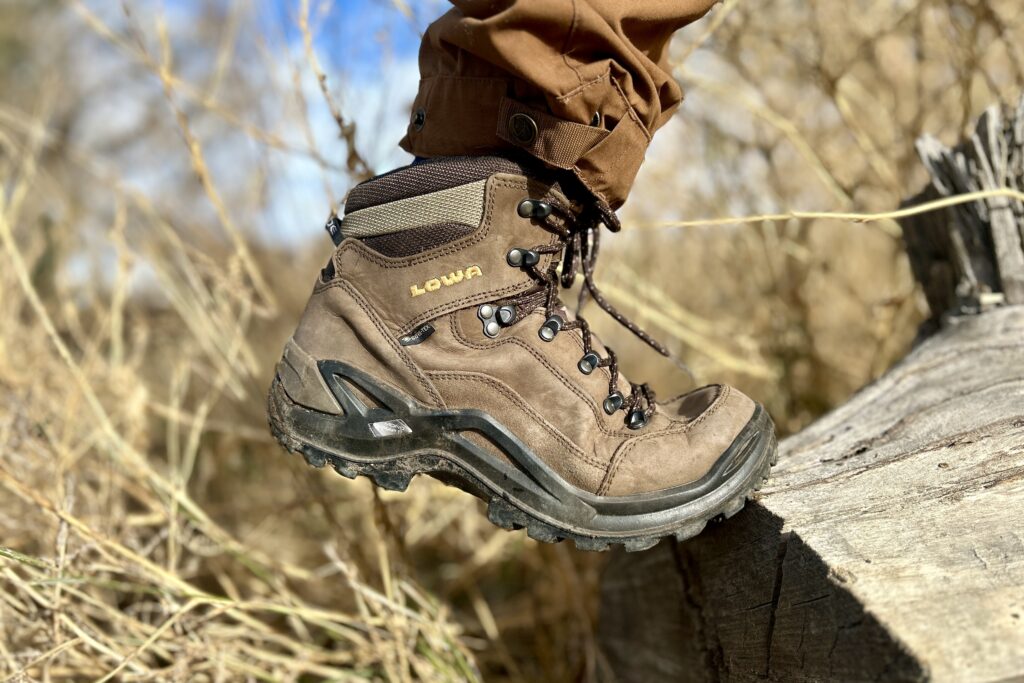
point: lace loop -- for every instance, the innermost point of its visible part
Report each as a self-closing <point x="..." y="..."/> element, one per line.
<point x="579" y="243"/>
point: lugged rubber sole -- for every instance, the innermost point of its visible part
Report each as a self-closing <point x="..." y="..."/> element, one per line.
<point x="391" y="445"/>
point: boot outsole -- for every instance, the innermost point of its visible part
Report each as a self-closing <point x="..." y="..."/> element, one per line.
<point x="394" y="472"/>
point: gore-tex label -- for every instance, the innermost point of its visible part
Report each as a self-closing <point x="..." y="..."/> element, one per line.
<point x="418" y="336"/>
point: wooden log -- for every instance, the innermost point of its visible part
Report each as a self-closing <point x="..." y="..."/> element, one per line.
<point x="889" y="544"/>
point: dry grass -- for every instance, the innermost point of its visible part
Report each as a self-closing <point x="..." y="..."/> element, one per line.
<point x="150" y="529"/>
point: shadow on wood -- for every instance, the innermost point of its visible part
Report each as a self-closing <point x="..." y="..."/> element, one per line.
<point x="767" y="602"/>
<point x="887" y="547"/>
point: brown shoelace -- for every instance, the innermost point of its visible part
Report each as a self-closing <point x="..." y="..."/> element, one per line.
<point x="578" y="243"/>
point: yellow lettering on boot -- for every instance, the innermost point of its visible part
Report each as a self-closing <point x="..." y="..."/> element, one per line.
<point x="449" y="280"/>
<point x="452" y="278"/>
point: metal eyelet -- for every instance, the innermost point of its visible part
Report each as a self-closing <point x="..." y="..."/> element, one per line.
<point x="533" y="208"/>
<point x="588" y="363"/>
<point x="551" y="327"/>
<point x="506" y="315"/>
<point x="419" y="118"/>
<point x="613" y="402"/>
<point x="637" y="419"/>
<point x="486" y="313"/>
<point x="517" y="258"/>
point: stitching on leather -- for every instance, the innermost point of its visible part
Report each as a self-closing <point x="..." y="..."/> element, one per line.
<point x="579" y="344"/>
<point x="460" y="304"/>
<point x="627" y="448"/>
<point x="399" y="351"/>
<point x="587" y="400"/>
<point x="359" y="250"/>
<point x="516" y="399"/>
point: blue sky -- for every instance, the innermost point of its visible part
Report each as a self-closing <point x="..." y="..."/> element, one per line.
<point x="357" y="35"/>
<point x="369" y="51"/>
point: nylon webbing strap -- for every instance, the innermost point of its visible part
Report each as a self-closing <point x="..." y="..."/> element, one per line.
<point x="556" y="141"/>
<point x="461" y="204"/>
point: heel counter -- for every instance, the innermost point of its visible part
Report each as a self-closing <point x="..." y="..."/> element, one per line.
<point x="301" y="380"/>
<point x="338" y="325"/>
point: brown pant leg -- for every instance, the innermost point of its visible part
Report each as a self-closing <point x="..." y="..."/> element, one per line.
<point x="579" y="84"/>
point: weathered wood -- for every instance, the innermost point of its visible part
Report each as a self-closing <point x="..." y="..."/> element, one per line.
<point x="972" y="255"/>
<point x="889" y="544"/>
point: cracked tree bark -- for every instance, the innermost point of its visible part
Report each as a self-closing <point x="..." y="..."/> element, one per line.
<point x="889" y="544"/>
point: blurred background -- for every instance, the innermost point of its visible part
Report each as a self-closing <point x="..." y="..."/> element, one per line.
<point x="166" y="168"/>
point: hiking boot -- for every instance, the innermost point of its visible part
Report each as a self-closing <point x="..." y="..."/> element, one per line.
<point x="435" y="342"/>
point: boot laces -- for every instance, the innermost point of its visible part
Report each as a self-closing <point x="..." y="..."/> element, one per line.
<point x="578" y="243"/>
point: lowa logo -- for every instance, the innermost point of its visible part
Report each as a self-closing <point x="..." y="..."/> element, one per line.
<point x="446" y="280"/>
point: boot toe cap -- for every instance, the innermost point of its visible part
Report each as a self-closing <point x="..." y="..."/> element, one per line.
<point x="705" y="423"/>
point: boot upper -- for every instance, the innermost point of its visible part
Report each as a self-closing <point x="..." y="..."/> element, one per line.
<point x="426" y="252"/>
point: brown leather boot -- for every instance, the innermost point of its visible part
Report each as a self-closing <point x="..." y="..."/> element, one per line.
<point x="435" y="342"/>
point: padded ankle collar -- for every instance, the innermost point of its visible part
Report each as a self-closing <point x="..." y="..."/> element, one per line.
<point x="407" y="292"/>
